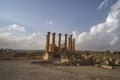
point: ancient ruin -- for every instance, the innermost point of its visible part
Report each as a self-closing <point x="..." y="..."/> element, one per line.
<point x="54" y="51"/>
<point x="65" y="54"/>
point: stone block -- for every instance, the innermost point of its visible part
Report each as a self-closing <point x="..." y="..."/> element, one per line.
<point x="106" y="66"/>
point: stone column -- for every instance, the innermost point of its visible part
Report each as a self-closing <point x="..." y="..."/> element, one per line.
<point x="47" y="41"/>
<point x="70" y="43"/>
<point x="65" y="42"/>
<point x="53" y="42"/>
<point x="59" y="43"/>
<point x="73" y="45"/>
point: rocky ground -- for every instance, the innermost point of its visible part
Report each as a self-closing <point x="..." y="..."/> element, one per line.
<point x="24" y="70"/>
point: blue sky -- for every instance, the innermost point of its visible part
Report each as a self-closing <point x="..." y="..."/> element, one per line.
<point x="34" y="17"/>
<point x="66" y="15"/>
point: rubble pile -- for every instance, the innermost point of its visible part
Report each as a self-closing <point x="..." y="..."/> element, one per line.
<point x="108" y="63"/>
<point x="117" y="62"/>
<point x="82" y="60"/>
<point x="90" y="60"/>
<point x="112" y="62"/>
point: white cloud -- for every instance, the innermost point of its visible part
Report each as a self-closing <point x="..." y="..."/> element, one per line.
<point x="103" y="4"/>
<point x="16" y="28"/>
<point x="5" y="35"/>
<point x="74" y="34"/>
<point x="104" y="35"/>
<point x="23" y="41"/>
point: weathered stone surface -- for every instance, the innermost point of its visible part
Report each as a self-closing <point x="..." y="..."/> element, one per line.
<point x="106" y="66"/>
<point x="78" y="59"/>
<point x="48" y="56"/>
<point x="110" y="62"/>
<point x="117" y="62"/>
<point x="97" y="65"/>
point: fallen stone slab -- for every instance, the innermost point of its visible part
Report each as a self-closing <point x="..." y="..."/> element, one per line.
<point x="106" y="66"/>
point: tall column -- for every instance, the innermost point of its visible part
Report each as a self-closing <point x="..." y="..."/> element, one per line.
<point x="70" y="43"/>
<point x="73" y="45"/>
<point x="47" y="41"/>
<point x="53" y="42"/>
<point x="59" y="43"/>
<point x="65" y="42"/>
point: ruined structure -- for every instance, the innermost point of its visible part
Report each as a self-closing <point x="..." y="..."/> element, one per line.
<point x="56" y="51"/>
<point x="63" y="53"/>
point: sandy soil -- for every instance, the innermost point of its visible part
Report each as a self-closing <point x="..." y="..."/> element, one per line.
<point x="24" y="70"/>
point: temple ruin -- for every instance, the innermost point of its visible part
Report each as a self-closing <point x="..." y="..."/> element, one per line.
<point x="63" y="53"/>
<point x="54" y="51"/>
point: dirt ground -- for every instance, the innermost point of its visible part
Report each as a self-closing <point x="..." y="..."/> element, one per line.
<point x="24" y="70"/>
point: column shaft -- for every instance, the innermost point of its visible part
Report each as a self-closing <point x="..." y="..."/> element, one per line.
<point x="59" y="43"/>
<point x="65" y="42"/>
<point x="53" y="42"/>
<point x="73" y="45"/>
<point x="47" y="41"/>
<point x="70" y="43"/>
